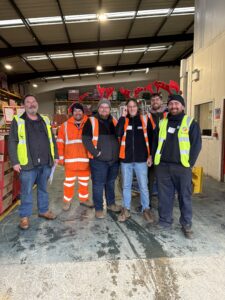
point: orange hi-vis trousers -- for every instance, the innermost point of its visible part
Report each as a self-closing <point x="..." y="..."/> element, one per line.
<point x="69" y="182"/>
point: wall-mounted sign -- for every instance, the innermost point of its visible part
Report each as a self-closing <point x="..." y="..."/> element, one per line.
<point x="217" y="113"/>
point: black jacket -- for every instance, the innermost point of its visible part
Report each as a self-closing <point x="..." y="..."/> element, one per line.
<point x="156" y="118"/>
<point x="135" y="149"/>
<point x="107" y="142"/>
<point x="171" y="151"/>
<point x="36" y="144"/>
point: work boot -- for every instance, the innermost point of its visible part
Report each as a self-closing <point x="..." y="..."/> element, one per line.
<point x="66" y="206"/>
<point x="24" y="223"/>
<point x="48" y="215"/>
<point x="188" y="233"/>
<point x="148" y="215"/>
<point x="124" y="215"/>
<point x="89" y="203"/>
<point x="114" y="207"/>
<point x="99" y="214"/>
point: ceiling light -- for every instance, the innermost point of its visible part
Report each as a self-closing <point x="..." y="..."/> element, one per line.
<point x="153" y="13"/>
<point x="99" y="68"/>
<point x="147" y="71"/>
<point x="8" y="67"/>
<point x="34" y="85"/>
<point x="102" y="17"/>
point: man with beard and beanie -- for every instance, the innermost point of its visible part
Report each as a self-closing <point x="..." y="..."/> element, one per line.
<point x="32" y="151"/>
<point x="100" y="140"/>
<point x="73" y="155"/>
<point x="179" y="144"/>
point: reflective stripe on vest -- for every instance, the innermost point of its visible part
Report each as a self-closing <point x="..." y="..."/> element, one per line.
<point x="22" y="144"/>
<point x="144" y="122"/>
<point x="183" y="138"/>
<point x="95" y="131"/>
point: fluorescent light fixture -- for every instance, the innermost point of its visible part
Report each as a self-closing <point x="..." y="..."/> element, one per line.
<point x="53" y="77"/>
<point x="11" y="23"/>
<point x="102" y="52"/>
<point x="81" y="18"/>
<point x="8" y="67"/>
<point x="111" y="52"/>
<point x="88" y="53"/>
<point x="99" y="68"/>
<point x="183" y="11"/>
<point x="88" y="74"/>
<point x="44" y="20"/>
<point x="121" y="15"/>
<point x="70" y="76"/>
<point x="146" y="70"/>
<point x="153" y="13"/>
<point x="35" y="85"/>
<point x="61" y="55"/>
<point x="101" y="17"/>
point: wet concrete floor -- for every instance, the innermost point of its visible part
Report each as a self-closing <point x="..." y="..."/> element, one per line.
<point x="79" y="257"/>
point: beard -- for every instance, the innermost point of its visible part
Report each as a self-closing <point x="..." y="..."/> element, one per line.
<point x="32" y="110"/>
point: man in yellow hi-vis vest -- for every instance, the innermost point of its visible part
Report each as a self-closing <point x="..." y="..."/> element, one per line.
<point x="32" y="151"/>
<point x="179" y="144"/>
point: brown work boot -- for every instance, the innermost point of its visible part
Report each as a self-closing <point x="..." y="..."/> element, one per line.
<point x="99" y="214"/>
<point x="124" y="215"/>
<point x="24" y="223"/>
<point x="148" y="215"/>
<point x="66" y="206"/>
<point x="48" y="215"/>
<point x="188" y="233"/>
<point x="89" y="203"/>
<point x="114" y="207"/>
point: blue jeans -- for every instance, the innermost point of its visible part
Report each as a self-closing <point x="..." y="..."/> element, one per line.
<point x="38" y="175"/>
<point x="103" y="175"/>
<point x="141" y="171"/>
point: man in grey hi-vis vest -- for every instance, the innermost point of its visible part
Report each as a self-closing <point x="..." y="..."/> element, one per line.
<point x="179" y="144"/>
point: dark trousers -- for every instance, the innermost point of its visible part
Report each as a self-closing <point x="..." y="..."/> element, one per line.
<point x="171" y="177"/>
<point x="103" y="176"/>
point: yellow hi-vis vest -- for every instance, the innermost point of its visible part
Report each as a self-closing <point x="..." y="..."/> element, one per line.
<point x="22" y="145"/>
<point x="183" y="138"/>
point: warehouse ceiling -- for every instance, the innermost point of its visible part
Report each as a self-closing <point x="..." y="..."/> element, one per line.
<point x="66" y="38"/>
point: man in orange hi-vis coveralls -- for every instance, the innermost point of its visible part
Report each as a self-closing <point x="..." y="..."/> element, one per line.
<point x="74" y="156"/>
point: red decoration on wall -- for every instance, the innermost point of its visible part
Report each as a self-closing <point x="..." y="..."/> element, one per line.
<point x="81" y="97"/>
<point x="125" y="92"/>
<point x="100" y="90"/>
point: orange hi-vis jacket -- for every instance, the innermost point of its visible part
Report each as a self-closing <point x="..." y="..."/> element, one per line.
<point x="144" y="122"/>
<point x="72" y="153"/>
<point x="152" y="120"/>
<point x="95" y="131"/>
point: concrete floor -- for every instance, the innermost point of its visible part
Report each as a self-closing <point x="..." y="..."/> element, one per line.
<point x="79" y="257"/>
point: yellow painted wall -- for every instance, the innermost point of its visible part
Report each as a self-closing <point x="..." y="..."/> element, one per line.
<point x="209" y="59"/>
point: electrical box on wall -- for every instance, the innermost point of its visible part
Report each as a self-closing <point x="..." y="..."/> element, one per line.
<point x="195" y="75"/>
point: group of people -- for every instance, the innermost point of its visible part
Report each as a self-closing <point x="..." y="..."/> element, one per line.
<point x="161" y="145"/>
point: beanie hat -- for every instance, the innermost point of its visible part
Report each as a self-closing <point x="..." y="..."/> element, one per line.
<point x="104" y="101"/>
<point x="77" y="106"/>
<point x="176" y="97"/>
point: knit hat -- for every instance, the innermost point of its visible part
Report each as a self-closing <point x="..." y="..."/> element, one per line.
<point x="76" y="106"/>
<point x="176" y="97"/>
<point x="104" y="101"/>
